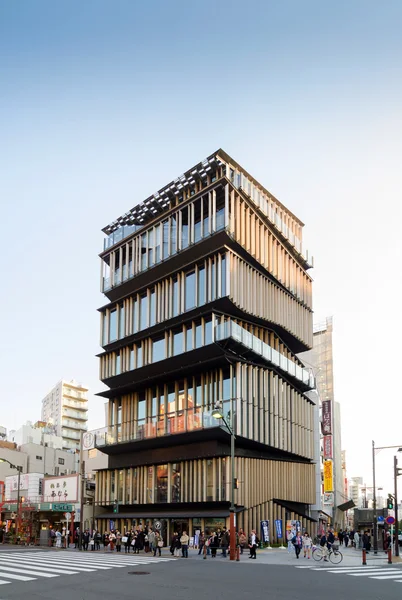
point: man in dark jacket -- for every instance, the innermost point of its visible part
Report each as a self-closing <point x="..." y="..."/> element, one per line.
<point x="224" y="541"/>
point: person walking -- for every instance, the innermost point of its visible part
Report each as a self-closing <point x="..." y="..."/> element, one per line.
<point x="214" y="543"/>
<point x="105" y="541"/>
<point x="253" y="543"/>
<point x="366" y="541"/>
<point x="112" y="541"/>
<point x="151" y="539"/>
<point x="298" y="543"/>
<point x="118" y="541"/>
<point x="92" y="543"/>
<point x="184" y="540"/>
<point x="127" y="542"/>
<point x="307" y="544"/>
<point x="242" y="540"/>
<point x="224" y="542"/>
<point x="201" y="542"/>
<point x="346" y="538"/>
<point x="85" y="540"/>
<point x="356" y="540"/>
<point x="158" y="544"/>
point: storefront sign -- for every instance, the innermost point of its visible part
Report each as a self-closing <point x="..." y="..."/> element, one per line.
<point x="328" y="476"/>
<point x="265" y="531"/>
<point x="278" y="527"/>
<point x="327" y="446"/>
<point x="328" y="499"/>
<point x="326" y="424"/>
<point x="62" y="507"/>
<point x="61" y="489"/>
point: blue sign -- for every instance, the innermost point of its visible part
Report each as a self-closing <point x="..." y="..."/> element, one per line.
<point x="265" y="531"/>
<point x="380" y="520"/>
<point x="111" y="525"/>
<point x="278" y="527"/>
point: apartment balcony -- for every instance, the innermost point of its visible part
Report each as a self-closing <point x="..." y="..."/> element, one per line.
<point x="78" y="405"/>
<point x="75" y="414"/>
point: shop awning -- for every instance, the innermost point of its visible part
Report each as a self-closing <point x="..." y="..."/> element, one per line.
<point x="153" y="514"/>
<point x="295" y="507"/>
<point x="346" y="505"/>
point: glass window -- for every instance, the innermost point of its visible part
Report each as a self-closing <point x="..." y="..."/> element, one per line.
<point x="213" y="281"/>
<point x="184" y="228"/>
<point x="161" y="484"/>
<point x="223" y="289"/>
<point x="226" y="393"/>
<point x="220" y="212"/>
<point x="189" y="339"/>
<point x="165" y="239"/>
<point x="173" y="234"/>
<point x="157" y="243"/>
<point x="190" y="291"/>
<point x="143" y="312"/>
<point x="198" y="336"/>
<point x="205" y="208"/>
<point x="176" y="482"/>
<point x="143" y="251"/>
<point x="121" y="322"/>
<point x="139" y="356"/>
<point x="141" y="407"/>
<point x="134" y="488"/>
<point x="210" y="481"/>
<point x="150" y="485"/>
<point x="158" y="350"/>
<point x="175" y="298"/>
<point x="197" y="221"/>
<point x="120" y="490"/>
<point x="178" y="340"/>
<point x="132" y="358"/>
<point x="223" y="485"/>
<point x="152" y="316"/>
<point x="135" y="315"/>
<point x="201" y="286"/>
<point x="118" y="364"/>
<point x="198" y="392"/>
<point x="208" y="332"/>
<point x="150" y="248"/>
<point x="113" y="326"/>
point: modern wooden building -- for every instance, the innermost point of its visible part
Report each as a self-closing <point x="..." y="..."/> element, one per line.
<point x="208" y="300"/>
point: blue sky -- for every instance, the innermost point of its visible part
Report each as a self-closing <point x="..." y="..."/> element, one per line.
<point x="102" y="103"/>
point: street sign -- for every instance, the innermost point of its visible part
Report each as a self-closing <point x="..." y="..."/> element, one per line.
<point x="390" y="520"/>
<point x="380" y="520"/>
<point x="68" y="516"/>
<point x="62" y="507"/>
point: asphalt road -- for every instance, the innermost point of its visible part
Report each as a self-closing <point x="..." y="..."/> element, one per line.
<point x="197" y="579"/>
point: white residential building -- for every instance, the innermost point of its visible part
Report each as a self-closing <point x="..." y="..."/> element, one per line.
<point x="66" y="408"/>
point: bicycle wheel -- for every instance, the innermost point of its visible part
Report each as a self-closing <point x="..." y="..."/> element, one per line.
<point x="335" y="557"/>
<point x="317" y="554"/>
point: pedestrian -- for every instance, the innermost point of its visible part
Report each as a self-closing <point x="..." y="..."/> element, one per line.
<point x="58" y="538"/>
<point x="127" y="542"/>
<point x="118" y="541"/>
<point x="105" y="540"/>
<point x="151" y="539"/>
<point x="158" y="544"/>
<point x="387" y="541"/>
<point x="330" y="538"/>
<point x="307" y="543"/>
<point x="201" y="542"/>
<point x="298" y="543"/>
<point x="340" y="537"/>
<point x="346" y="539"/>
<point x="324" y="547"/>
<point x="213" y="543"/>
<point x="85" y="540"/>
<point x="242" y="540"/>
<point x="177" y="545"/>
<point x="173" y="543"/>
<point x="224" y="542"/>
<point x="356" y="540"/>
<point x="98" y="539"/>
<point x="92" y="542"/>
<point x="253" y="543"/>
<point x="112" y="541"/>
<point x="366" y="541"/>
<point x="184" y="540"/>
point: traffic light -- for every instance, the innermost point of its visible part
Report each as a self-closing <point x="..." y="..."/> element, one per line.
<point x="116" y="506"/>
<point x="390" y="502"/>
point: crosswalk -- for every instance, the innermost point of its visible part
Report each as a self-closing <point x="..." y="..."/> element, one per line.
<point x="28" y="565"/>
<point x="381" y="573"/>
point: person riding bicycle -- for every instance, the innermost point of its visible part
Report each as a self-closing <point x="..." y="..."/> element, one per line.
<point x="324" y="545"/>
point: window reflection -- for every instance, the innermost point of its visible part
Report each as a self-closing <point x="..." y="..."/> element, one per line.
<point x="176" y="482"/>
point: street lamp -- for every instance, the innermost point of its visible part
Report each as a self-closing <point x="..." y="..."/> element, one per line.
<point x="397" y="473"/>
<point x="217" y="413"/>
<point x="374" y="448"/>
<point x="19" y="469"/>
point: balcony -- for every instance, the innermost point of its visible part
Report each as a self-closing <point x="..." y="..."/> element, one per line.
<point x="76" y="404"/>
<point x="232" y="331"/>
<point x="75" y="414"/>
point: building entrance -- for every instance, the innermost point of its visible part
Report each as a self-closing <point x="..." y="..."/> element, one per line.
<point x="178" y="526"/>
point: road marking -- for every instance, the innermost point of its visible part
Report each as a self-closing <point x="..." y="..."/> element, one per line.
<point x="386" y="576"/>
<point x="18" y="577"/>
<point x="395" y="573"/>
<point x="26" y="572"/>
<point x="7" y="561"/>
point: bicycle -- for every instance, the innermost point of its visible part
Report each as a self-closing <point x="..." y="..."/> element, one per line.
<point x="334" y="555"/>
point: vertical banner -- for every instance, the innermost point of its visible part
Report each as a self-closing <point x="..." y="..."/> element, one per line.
<point x="265" y="531"/>
<point x="328" y="446"/>
<point x="278" y="527"/>
<point x="111" y="525"/>
<point x="326" y="423"/>
<point x="328" y="476"/>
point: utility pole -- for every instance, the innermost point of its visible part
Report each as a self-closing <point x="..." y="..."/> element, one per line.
<point x="82" y="495"/>
<point x="374" y="504"/>
<point x="397" y="472"/>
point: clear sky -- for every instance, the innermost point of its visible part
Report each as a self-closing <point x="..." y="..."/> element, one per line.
<point x="103" y="102"/>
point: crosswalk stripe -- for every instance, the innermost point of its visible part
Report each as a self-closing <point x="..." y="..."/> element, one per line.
<point x="394" y="573"/>
<point x="62" y="564"/>
<point x="18" y="577"/>
<point x="4" y="582"/>
<point x="386" y="576"/>
<point x="98" y="564"/>
<point x="48" y="569"/>
<point x="26" y="572"/>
